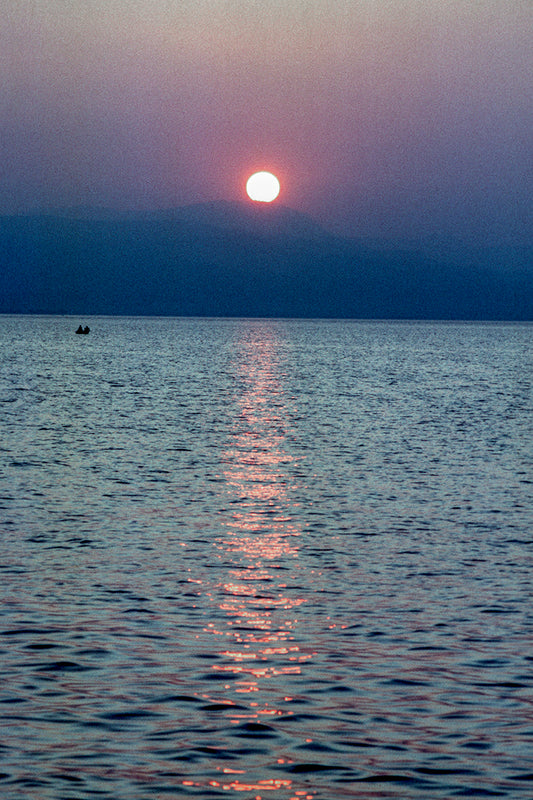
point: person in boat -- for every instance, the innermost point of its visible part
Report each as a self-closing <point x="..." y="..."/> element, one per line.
<point x="86" y="329"/>
<point x="80" y="329"/>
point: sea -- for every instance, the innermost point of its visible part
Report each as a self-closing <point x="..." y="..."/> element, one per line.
<point x="265" y="559"/>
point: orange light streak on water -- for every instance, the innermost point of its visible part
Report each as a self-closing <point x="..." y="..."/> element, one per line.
<point x="259" y="550"/>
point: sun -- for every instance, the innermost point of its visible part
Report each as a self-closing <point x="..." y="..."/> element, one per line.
<point x="262" y="187"/>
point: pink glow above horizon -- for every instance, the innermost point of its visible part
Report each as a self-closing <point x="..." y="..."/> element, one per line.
<point x="378" y="117"/>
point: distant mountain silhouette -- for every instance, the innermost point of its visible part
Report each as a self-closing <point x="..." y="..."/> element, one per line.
<point x="240" y="259"/>
<point x="260" y="219"/>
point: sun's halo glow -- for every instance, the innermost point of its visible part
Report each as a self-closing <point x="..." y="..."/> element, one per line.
<point x="262" y="187"/>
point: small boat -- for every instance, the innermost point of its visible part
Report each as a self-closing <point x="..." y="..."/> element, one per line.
<point x="83" y="330"/>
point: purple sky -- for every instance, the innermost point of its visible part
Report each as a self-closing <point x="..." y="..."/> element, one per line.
<point x="381" y="118"/>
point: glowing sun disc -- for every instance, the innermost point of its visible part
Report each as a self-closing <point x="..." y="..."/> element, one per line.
<point x="263" y="187"/>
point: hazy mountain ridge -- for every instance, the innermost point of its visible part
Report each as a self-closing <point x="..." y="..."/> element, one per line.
<point x="235" y="259"/>
<point x="263" y="219"/>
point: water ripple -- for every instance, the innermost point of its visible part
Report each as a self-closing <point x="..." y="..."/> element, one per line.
<point x="276" y="559"/>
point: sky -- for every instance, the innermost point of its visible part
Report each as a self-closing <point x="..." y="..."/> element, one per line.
<point x="386" y="119"/>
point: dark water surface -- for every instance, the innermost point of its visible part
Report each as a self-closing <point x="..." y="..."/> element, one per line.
<point x="265" y="559"/>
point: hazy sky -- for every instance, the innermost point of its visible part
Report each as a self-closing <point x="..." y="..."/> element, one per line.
<point x="380" y="117"/>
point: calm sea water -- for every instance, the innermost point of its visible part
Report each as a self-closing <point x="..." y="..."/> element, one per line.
<point x="265" y="559"/>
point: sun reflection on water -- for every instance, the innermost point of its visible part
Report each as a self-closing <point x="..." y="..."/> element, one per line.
<point x="259" y="548"/>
